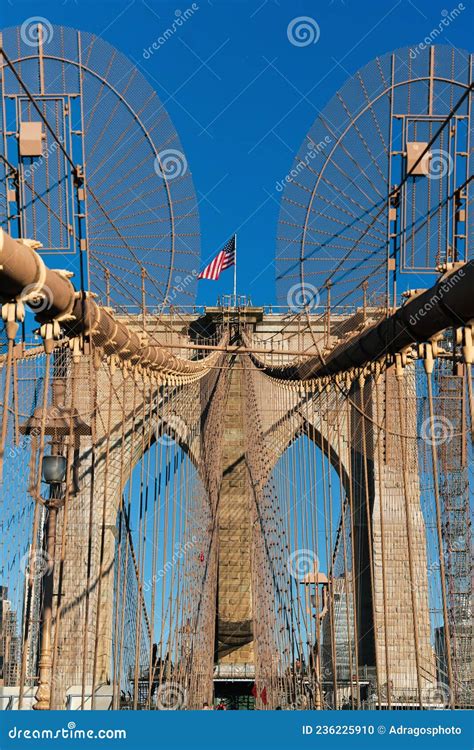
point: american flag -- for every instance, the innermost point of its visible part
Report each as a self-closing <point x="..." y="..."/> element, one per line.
<point x="225" y="258"/>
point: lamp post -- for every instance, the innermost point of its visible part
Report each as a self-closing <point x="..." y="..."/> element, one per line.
<point x="54" y="474"/>
<point x="314" y="601"/>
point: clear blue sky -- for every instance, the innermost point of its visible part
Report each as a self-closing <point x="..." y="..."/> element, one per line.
<point x="242" y="97"/>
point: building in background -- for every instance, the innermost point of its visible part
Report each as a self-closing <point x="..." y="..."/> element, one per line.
<point x="9" y="641"/>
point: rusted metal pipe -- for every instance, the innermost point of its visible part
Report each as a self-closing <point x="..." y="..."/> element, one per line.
<point x="450" y="302"/>
<point x="24" y="276"/>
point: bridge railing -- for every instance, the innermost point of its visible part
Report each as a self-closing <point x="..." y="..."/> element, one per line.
<point x="267" y="309"/>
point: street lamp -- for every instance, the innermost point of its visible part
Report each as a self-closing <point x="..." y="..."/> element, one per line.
<point x="54" y="474"/>
<point x="54" y="469"/>
<point x="313" y="602"/>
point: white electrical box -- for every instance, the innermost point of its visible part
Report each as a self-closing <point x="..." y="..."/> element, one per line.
<point x="31" y="139"/>
<point x="414" y="151"/>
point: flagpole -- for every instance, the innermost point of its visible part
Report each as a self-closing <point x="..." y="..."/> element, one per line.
<point x="235" y="271"/>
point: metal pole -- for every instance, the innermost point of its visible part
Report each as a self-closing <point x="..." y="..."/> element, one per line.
<point x="235" y="270"/>
<point x="43" y="694"/>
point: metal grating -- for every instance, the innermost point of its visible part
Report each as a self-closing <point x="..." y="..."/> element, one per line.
<point x="336" y="227"/>
<point x="137" y="220"/>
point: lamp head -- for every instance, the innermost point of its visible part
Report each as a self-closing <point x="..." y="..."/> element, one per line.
<point x="54" y="469"/>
